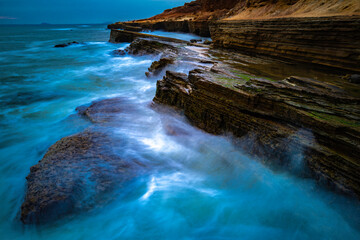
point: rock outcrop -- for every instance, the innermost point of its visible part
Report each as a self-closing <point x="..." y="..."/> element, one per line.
<point x="293" y="115"/>
<point x="333" y="42"/>
<point x="149" y="47"/>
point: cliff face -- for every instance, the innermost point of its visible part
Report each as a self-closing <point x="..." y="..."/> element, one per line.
<point x="333" y="42"/>
<point x="198" y="10"/>
<point x="271" y="114"/>
<point x="293" y="8"/>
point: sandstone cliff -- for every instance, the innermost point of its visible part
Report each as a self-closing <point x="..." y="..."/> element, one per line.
<point x="253" y="9"/>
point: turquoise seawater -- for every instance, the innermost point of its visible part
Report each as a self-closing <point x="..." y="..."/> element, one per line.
<point x="205" y="187"/>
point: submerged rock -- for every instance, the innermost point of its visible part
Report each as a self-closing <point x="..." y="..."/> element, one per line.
<point x="118" y="52"/>
<point x="78" y="171"/>
<point x="66" y="44"/>
<point x="106" y="110"/>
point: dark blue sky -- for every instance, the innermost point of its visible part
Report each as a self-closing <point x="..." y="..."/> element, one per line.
<point x="81" y="11"/>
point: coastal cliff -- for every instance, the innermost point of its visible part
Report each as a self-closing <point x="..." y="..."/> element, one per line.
<point x="320" y="32"/>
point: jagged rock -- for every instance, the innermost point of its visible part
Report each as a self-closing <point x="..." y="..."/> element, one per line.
<point x="207" y="42"/>
<point x="319" y="118"/>
<point x="195" y="40"/>
<point x="118" y="52"/>
<point x="149" y="47"/>
<point x="157" y="66"/>
<point x="66" y="44"/>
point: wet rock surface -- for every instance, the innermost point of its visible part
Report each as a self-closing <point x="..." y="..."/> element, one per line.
<point x="66" y="44"/>
<point x="78" y="171"/>
<point x="118" y="52"/>
<point x="119" y="36"/>
<point x="104" y="111"/>
<point x="150" y="47"/>
<point x="157" y="66"/>
<point x="317" y="118"/>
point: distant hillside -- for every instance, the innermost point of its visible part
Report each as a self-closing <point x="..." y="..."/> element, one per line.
<point x="255" y="9"/>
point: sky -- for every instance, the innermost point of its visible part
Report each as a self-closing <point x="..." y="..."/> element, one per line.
<point x="80" y="11"/>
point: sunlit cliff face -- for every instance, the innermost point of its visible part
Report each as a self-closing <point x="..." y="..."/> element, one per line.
<point x="244" y="9"/>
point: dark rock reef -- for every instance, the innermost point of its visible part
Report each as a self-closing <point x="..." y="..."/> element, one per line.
<point x="66" y="44"/>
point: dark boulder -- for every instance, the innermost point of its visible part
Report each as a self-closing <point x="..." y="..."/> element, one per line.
<point x="66" y="44"/>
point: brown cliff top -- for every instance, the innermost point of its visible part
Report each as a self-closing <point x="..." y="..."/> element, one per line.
<point x="258" y="9"/>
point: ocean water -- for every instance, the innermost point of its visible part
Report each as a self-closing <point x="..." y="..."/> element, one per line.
<point x="204" y="188"/>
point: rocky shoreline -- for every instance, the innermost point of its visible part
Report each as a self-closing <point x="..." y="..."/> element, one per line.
<point x="308" y="125"/>
<point x="326" y="41"/>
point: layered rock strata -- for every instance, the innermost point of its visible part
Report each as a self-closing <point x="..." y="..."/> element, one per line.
<point x="333" y="42"/>
<point x="285" y="118"/>
<point x="119" y="36"/>
<point x="324" y="32"/>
